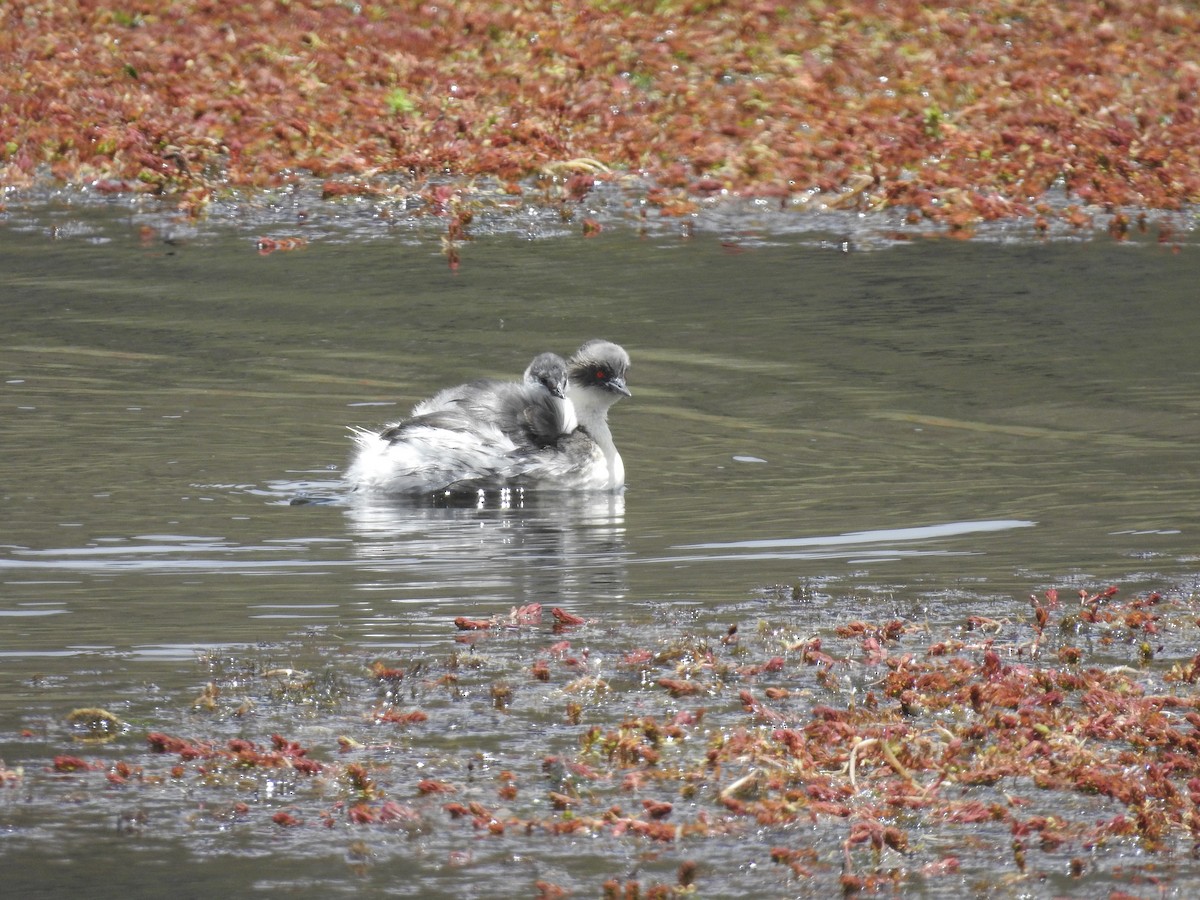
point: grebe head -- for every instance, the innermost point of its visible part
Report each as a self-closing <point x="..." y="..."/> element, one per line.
<point x="598" y="371"/>
<point x="550" y="371"/>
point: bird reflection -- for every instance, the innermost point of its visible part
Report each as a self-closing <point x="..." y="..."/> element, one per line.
<point x="497" y="548"/>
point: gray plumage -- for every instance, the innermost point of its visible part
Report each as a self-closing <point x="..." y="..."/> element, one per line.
<point x="534" y="412"/>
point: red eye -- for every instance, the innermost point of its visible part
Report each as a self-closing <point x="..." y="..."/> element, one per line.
<point x="600" y="374"/>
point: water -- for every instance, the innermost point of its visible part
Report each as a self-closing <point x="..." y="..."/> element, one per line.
<point x="925" y="431"/>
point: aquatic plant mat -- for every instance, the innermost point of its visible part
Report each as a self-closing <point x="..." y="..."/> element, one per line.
<point x="769" y="747"/>
<point x="947" y="114"/>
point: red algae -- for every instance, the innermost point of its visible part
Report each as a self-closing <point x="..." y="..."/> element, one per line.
<point x="954" y="116"/>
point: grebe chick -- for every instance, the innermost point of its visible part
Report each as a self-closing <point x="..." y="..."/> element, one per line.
<point x="541" y="413"/>
<point x="550" y="371"/>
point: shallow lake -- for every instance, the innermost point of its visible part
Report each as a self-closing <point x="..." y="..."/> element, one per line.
<point x="925" y="431"/>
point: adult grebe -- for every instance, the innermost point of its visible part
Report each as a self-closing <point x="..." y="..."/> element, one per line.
<point x="494" y="434"/>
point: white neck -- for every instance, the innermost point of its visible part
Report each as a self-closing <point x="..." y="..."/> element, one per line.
<point x="591" y="408"/>
<point x="567" y="420"/>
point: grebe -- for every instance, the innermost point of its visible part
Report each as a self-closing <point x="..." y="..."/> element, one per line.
<point x="495" y="434"/>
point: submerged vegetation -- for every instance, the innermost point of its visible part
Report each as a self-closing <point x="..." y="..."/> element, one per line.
<point x="735" y="758"/>
<point x="951" y="115"/>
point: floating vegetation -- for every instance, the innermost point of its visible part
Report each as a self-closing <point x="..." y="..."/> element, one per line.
<point x="951" y="116"/>
<point x="873" y="756"/>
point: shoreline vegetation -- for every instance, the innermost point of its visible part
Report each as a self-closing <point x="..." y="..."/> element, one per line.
<point x="948" y="118"/>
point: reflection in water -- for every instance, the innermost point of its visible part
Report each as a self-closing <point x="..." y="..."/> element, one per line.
<point x="519" y="548"/>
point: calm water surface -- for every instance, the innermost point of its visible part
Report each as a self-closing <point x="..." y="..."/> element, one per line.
<point x="931" y="430"/>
